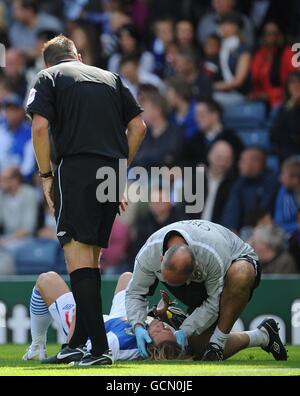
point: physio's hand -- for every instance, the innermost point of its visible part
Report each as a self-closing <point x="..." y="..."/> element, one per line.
<point x="142" y="337"/>
<point x="181" y="338"/>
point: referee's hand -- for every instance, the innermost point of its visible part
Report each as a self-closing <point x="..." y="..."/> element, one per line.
<point x="48" y="191"/>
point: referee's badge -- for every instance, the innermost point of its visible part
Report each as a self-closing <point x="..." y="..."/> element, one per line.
<point x="31" y="96"/>
<point x="129" y="331"/>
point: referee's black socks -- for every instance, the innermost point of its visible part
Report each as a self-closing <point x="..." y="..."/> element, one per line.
<point x="86" y="289"/>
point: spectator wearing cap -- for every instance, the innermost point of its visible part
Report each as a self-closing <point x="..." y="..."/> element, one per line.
<point x="15" y="134"/>
<point x="235" y="60"/>
<point x="130" y="44"/>
<point x="271" y="65"/>
<point x="285" y="130"/>
<point x="179" y="96"/>
<point x="28" y="22"/>
<point x="269" y="244"/>
<point x="209" y="23"/>
<point x="255" y="188"/>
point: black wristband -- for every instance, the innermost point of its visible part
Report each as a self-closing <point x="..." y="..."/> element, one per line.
<point x="46" y="175"/>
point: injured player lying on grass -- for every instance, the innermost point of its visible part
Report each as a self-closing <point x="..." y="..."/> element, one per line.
<point x="52" y="300"/>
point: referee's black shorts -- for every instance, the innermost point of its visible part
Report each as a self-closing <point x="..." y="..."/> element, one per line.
<point x="79" y="215"/>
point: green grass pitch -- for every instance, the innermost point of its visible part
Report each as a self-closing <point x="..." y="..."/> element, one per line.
<point x="249" y="362"/>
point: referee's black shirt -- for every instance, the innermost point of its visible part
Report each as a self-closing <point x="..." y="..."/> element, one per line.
<point x="88" y="109"/>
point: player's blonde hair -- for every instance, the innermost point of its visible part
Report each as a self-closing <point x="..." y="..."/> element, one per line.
<point x="167" y="350"/>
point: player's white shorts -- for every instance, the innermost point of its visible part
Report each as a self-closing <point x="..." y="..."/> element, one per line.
<point x="118" y="309"/>
<point x="62" y="310"/>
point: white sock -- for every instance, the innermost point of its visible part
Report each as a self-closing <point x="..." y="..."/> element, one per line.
<point x="258" y="337"/>
<point x="219" y="338"/>
<point x="40" y="318"/>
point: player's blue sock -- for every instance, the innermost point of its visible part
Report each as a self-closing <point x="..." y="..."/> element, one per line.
<point x="40" y="318"/>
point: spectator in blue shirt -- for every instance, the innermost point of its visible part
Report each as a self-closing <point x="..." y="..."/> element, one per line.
<point x="163" y="36"/>
<point x="255" y="188"/>
<point x="179" y="95"/>
<point x="15" y="135"/>
<point x="287" y="203"/>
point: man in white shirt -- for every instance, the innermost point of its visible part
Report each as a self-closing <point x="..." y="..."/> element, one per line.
<point x="132" y="76"/>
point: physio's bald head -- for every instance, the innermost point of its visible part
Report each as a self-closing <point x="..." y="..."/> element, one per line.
<point x="178" y="264"/>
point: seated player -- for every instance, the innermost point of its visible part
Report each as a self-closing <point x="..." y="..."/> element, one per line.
<point x="52" y="300"/>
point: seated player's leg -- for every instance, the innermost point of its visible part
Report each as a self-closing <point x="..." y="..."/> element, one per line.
<point x="266" y="336"/>
<point x="67" y="354"/>
<point x="239" y="282"/>
<point x="49" y="286"/>
<point x="62" y="309"/>
<point x="62" y="305"/>
<point x="123" y="281"/>
<point x="118" y="309"/>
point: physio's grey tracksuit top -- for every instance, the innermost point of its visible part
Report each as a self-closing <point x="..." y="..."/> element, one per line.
<point x="214" y="246"/>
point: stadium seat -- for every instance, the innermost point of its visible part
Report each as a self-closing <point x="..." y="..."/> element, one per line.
<point x="255" y="137"/>
<point x="36" y="256"/>
<point x="247" y="115"/>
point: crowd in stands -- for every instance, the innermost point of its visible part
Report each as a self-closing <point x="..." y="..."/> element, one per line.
<point x="220" y="88"/>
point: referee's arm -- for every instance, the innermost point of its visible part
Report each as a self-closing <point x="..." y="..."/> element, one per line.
<point x="41" y="144"/>
<point x="135" y="135"/>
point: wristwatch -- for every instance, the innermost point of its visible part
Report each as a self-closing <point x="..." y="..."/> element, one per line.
<point x="46" y="175"/>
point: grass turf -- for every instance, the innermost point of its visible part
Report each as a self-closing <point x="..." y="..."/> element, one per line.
<point x="249" y="362"/>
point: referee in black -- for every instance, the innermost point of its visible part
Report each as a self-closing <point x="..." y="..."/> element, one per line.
<point x="93" y="121"/>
